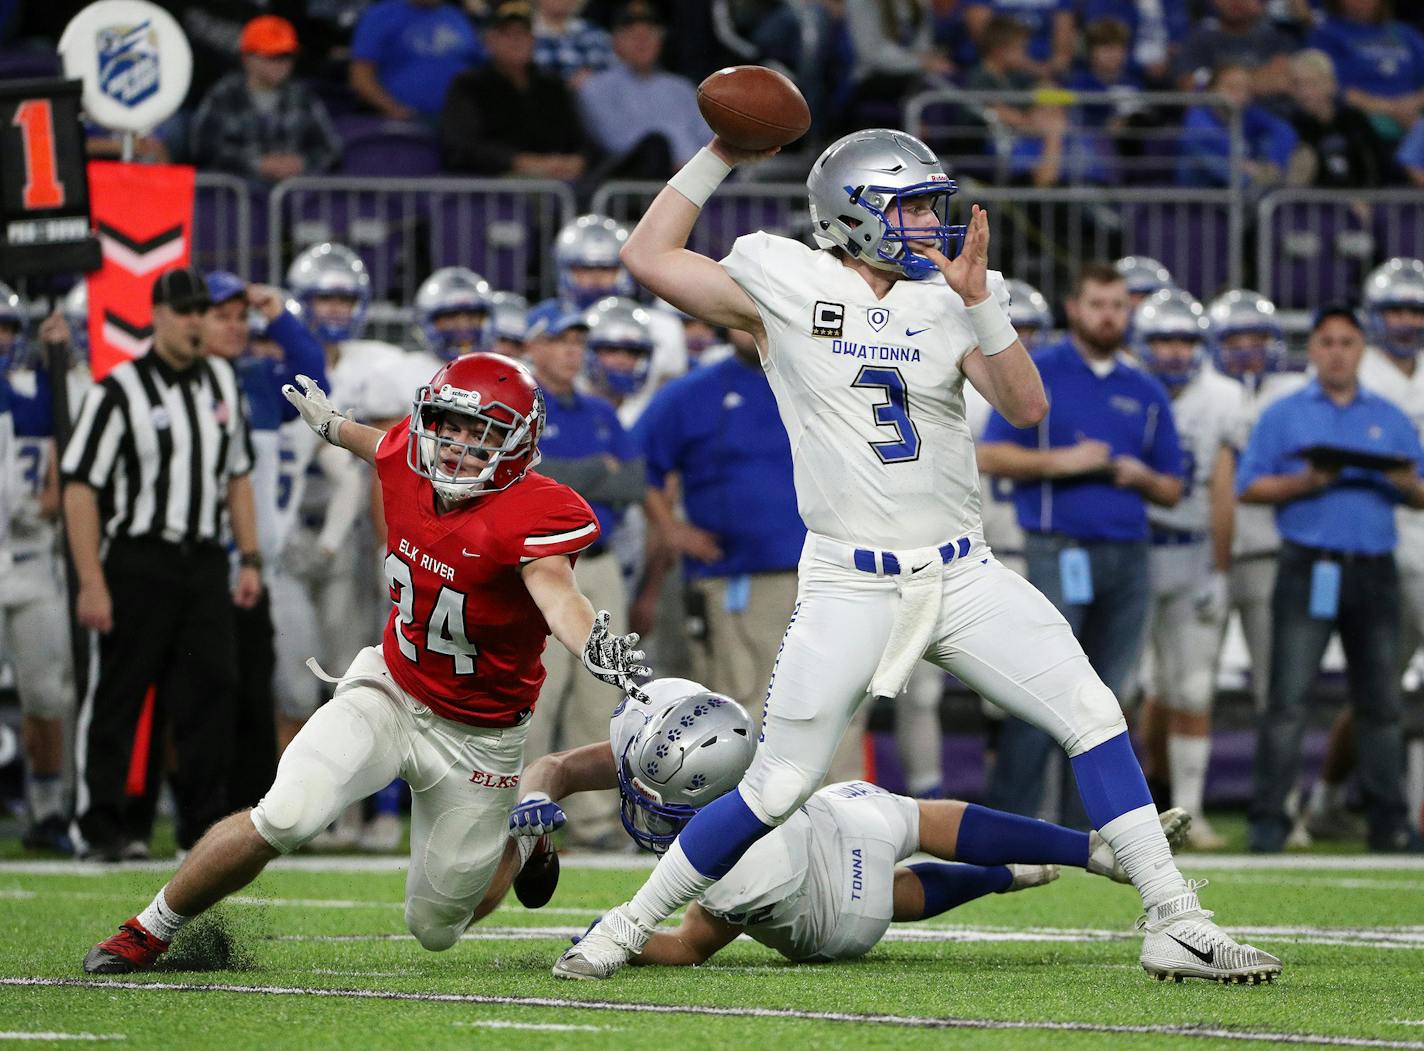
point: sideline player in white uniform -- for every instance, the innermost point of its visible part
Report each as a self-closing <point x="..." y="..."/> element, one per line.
<point x="34" y="617"/>
<point x="867" y="346"/>
<point x="322" y="493"/>
<point x="1191" y="543"/>
<point x="826" y="884"/>
<point x="1249" y="346"/>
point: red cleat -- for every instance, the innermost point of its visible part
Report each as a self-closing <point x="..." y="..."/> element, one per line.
<point x="132" y="949"/>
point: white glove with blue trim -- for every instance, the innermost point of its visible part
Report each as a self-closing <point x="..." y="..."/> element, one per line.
<point x="536" y="815"/>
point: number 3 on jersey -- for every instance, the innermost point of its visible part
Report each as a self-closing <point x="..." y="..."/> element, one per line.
<point x="894" y="412"/>
<point x="445" y="627"/>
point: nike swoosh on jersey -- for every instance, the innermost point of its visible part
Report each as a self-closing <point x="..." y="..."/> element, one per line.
<point x="468" y="553"/>
<point x="1204" y="957"/>
<point x="916" y="331"/>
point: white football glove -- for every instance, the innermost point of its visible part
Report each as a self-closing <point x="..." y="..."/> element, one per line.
<point x="536" y="815"/>
<point x="315" y="408"/>
<point x="1212" y="597"/>
<point x="613" y="659"/>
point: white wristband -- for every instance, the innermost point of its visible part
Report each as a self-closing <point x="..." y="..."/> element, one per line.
<point x="992" y="327"/>
<point x="696" y="179"/>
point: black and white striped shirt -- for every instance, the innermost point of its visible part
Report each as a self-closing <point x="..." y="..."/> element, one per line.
<point x="160" y="446"/>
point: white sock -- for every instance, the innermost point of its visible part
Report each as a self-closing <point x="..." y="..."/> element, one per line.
<point x="1137" y="840"/>
<point x="46" y="796"/>
<point x="160" y="920"/>
<point x="671" y="886"/>
<point x="1188" y="757"/>
<point x="1325" y="797"/>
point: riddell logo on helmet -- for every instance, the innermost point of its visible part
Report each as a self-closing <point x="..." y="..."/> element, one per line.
<point x="937" y="177"/>
<point x="488" y="780"/>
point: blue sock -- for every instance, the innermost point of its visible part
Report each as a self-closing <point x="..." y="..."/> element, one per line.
<point x="948" y="885"/>
<point x="1110" y="780"/>
<point x="720" y="833"/>
<point x="992" y="837"/>
<point x="388" y="799"/>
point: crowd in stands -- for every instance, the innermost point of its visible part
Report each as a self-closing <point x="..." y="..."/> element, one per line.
<point x="1328" y="93"/>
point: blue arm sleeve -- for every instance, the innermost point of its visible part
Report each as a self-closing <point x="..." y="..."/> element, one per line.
<point x="1263" y="451"/>
<point x="34" y="414"/>
<point x="1165" y="455"/>
<point x="655" y="435"/>
<point x="302" y="355"/>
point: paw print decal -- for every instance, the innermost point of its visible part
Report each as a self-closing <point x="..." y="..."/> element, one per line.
<point x="700" y="709"/>
<point x="698" y="781"/>
<point x="652" y="768"/>
<point x="688" y="720"/>
<point x="661" y="751"/>
<point x="674" y="735"/>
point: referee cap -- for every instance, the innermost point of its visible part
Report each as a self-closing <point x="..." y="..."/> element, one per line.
<point x="181" y="288"/>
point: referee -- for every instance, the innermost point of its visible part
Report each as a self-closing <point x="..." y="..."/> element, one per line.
<point x="158" y="459"/>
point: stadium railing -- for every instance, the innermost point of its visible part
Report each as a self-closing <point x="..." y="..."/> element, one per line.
<point x="406" y="228"/>
<point x="1039" y="235"/>
<point x="1316" y="246"/>
<point x="223" y="234"/>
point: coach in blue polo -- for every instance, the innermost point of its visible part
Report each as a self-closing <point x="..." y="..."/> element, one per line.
<point x="1082" y="481"/>
<point x="1335" y="460"/>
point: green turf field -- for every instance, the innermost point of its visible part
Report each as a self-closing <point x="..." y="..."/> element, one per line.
<point x="315" y="955"/>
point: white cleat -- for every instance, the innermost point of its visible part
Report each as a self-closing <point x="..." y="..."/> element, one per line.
<point x="1026" y="876"/>
<point x="1103" y="862"/>
<point x="1201" y="836"/>
<point x="603" y="951"/>
<point x="1182" y="942"/>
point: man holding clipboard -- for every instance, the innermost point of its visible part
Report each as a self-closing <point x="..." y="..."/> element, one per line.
<point x="1335" y="460"/>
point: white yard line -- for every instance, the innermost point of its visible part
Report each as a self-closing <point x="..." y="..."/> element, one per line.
<point x="543" y="1027"/>
<point x="902" y="1021"/>
<point x="48" y="1037"/>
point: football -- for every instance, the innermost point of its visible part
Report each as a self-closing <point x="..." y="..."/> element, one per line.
<point x="753" y="108"/>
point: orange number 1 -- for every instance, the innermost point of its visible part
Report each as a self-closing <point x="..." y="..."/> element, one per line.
<point x="35" y="120"/>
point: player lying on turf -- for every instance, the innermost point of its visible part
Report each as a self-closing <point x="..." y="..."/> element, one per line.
<point x="826" y="884"/>
<point x="868" y="342"/>
<point x="480" y="565"/>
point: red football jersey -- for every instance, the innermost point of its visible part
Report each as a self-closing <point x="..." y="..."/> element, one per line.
<point x="465" y="636"/>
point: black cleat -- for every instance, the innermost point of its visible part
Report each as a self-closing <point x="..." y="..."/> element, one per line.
<point x="539" y="877"/>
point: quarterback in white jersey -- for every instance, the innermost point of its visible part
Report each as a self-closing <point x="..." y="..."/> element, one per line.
<point x="1191" y="543"/>
<point x="867" y="343"/>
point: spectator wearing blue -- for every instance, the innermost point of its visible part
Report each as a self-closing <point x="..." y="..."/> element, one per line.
<point x="1083" y="478"/>
<point x="585" y="447"/>
<point x="1052" y="27"/>
<point x="1106" y="67"/>
<point x="404" y="53"/>
<point x="641" y="115"/>
<point x="715" y="436"/>
<point x="1379" y="62"/>
<point x="566" y="45"/>
<point x="1410" y="154"/>
<point x="1270" y="142"/>
<point x="1335" y="460"/>
<point x="1155" y="31"/>
<point x="225" y="333"/>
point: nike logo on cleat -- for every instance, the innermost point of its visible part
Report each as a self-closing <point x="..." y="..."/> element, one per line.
<point x="1204" y="957"/>
<point x="916" y="331"/>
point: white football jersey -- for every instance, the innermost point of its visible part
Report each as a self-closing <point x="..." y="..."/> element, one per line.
<point x="870" y="392"/>
<point x="32" y="534"/>
<point x="1207" y="413"/>
<point x="1002" y="531"/>
<point x="1255" y="531"/>
<point x="1380" y="374"/>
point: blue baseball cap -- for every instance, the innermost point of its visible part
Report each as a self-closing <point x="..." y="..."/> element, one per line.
<point x="224" y="285"/>
<point x="553" y="317"/>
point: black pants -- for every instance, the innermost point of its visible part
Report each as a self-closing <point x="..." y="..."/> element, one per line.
<point x="1368" y="623"/>
<point x="173" y="629"/>
<point x="254" y="737"/>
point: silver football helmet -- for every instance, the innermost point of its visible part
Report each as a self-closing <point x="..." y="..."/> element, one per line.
<point x="856" y="190"/>
<point x="1144" y="275"/>
<point x="685" y="756"/>
<point x="1397" y="284"/>
<point x="12" y="329"/>
<point x="592" y="242"/>
<point x="509" y="312"/>
<point x="1246" y="339"/>
<point x="453" y="289"/>
<point x="1029" y="312"/>
<point x="615" y="323"/>
<point x="330" y="269"/>
<point x="1170" y="314"/>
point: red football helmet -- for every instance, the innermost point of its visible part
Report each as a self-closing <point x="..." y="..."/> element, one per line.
<point x="507" y="406"/>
